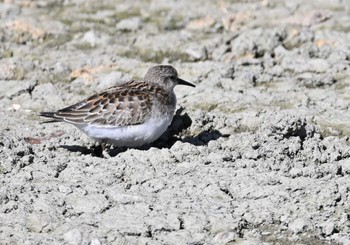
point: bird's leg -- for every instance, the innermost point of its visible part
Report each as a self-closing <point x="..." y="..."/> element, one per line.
<point x="104" y="148"/>
<point x="101" y="149"/>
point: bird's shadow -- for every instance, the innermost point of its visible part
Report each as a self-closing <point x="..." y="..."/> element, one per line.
<point x="177" y="131"/>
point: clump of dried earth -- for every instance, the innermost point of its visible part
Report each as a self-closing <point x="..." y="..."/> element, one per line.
<point x="258" y="152"/>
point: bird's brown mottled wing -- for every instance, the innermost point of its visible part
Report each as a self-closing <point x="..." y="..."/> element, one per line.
<point x="118" y="106"/>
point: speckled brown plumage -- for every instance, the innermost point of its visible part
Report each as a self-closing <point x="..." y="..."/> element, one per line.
<point x="127" y="104"/>
<point x="148" y="102"/>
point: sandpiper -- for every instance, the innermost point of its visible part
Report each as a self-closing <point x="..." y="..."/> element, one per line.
<point x="132" y="114"/>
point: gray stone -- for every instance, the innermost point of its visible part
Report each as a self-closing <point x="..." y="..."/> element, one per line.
<point x="131" y="24"/>
<point x="87" y="204"/>
<point x="300" y="225"/>
<point x="73" y="237"/>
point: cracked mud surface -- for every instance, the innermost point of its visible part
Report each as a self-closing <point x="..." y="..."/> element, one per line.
<point x="258" y="152"/>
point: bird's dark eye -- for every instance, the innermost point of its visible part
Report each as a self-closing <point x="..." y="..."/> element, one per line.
<point x="172" y="77"/>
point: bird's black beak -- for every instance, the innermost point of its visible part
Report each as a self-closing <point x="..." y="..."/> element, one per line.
<point x="183" y="82"/>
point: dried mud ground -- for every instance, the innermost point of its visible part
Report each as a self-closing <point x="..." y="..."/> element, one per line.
<point x="258" y="152"/>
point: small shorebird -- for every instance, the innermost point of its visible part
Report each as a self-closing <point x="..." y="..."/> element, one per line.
<point x="132" y="114"/>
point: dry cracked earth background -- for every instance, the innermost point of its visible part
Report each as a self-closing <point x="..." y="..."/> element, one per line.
<point x="258" y="152"/>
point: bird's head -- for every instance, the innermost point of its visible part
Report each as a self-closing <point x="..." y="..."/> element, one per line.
<point x="165" y="76"/>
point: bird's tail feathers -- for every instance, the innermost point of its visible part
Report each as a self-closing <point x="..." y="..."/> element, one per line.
<point x="47" y="114"/>
<point x="50" y="115"/>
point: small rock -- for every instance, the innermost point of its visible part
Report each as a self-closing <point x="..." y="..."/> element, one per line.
<point x="300" y="225"/>
<point x="94" y="38"/>
<point x="225" y="237"/>
<point x="295" y="172"/>
<point x="123" y="198"/>
<point x="60" y="67"/>
<point x="65" y="189"/>
<point x="95" y="242"/>
<point x="36" y="222"/>
<point x="200" y="23"/>
<point x="88" y="203"/>
<point x="16" y="107"/>
<point x="318" y="65"/>
<point x="328" y="228"/>
<point x="7" y="71"/>
<point x="277" y="71"/>
<point x="196" y="53"/>
<point x="73" y="237"/>
<point x="131" y="24"/>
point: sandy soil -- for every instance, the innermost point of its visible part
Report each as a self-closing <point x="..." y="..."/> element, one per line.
<point x="258" y="152"/>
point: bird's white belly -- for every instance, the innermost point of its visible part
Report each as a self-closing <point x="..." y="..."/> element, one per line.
<point x="132" y="135"/>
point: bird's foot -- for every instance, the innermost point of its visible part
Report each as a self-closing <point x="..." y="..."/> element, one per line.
<point x="102" y="150"/>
